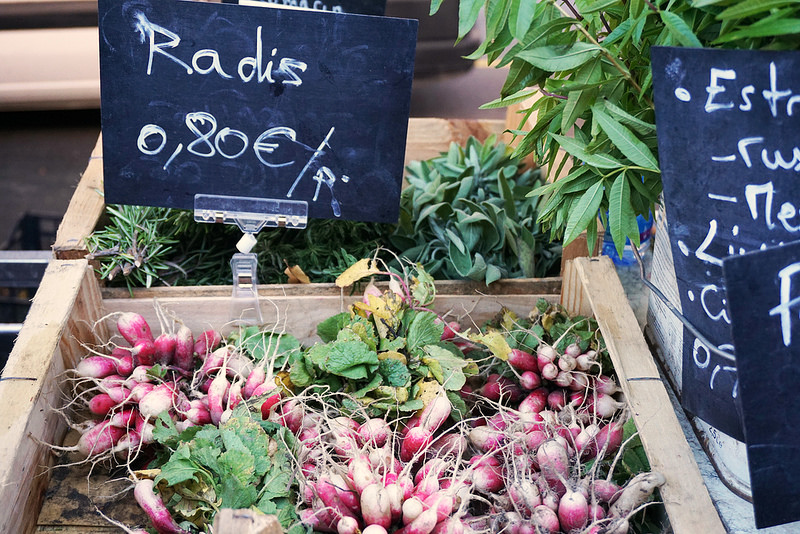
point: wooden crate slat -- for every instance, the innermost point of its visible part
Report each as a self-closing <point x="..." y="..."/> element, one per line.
<point x="301" y="318"/>
<point x="507" y="286"/>
<point x="685" y="495"/>
<point x="46" y="346"/>
<point x="84" y="210"/>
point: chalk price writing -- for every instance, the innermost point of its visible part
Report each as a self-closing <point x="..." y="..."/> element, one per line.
<point x="760" y="201"/>
<point x="772" y="96"/>
<point x="701" y="356"/>
<point x="231" y="144"/>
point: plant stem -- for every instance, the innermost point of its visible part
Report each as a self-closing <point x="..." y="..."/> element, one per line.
<point x="621" y="68"/>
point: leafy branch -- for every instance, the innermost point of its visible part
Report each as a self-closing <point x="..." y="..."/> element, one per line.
<point x="582" y="69"/>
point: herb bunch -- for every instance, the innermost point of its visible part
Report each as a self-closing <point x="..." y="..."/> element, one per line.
<point x="466" y="215"/>
<point x="589" y="63"/>
<point x="180" y="251"/>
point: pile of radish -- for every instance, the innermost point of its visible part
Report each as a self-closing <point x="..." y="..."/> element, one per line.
<point x="196" y="381"/>
<point x="533" y="440"/>
<point x="517" y="462"/>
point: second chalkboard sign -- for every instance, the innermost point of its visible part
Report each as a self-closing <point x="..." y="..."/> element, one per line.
<point x="223" y="99"/>
<point x="728" y="135"/>
<point x="763" y="291"/>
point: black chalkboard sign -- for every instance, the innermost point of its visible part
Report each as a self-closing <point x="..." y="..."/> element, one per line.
<point x="763" y="290"/>
<point x="361" y="7"/>
<point x="728" y="134"/>
<point x="223" y="99"/>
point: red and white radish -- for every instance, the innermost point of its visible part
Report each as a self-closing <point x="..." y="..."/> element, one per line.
<point x="133" y="327"/>
<point x="151" y="503"/>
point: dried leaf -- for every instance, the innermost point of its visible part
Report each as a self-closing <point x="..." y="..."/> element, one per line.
<point x="296" y="275"/>
<point x="361" y="269"/>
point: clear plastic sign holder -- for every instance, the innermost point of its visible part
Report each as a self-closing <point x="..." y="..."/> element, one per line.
<point x="250" y="215"/>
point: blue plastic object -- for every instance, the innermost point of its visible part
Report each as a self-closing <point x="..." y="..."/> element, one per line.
<point x="645" y="233"/>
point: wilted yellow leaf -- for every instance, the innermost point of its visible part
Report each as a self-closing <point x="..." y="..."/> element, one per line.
<point x="510" y="320"/>
<point x="495" y="342"/>
<point x="429" y="390"/>
<point x="360" y="269"/>
<point x="147" y="473"/>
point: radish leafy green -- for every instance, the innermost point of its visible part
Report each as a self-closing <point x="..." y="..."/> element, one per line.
<point x="243" y="463"/>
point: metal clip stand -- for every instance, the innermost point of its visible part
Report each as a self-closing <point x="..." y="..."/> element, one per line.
<point x="250" y="215"/>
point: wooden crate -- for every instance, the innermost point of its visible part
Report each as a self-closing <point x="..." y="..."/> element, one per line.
<point x="427" y="138"/>
<point x="70" y="301"/>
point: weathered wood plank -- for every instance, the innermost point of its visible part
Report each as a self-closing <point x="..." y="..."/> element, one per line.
<point x="84" y="210"/>
<point x="516" y="286"/>
<point x="62" y="312"/>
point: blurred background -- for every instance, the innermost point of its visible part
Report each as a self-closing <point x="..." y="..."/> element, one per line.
<point x="50" y="118"/>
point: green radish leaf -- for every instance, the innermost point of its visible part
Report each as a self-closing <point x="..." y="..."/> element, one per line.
<point x="395" y="373"/>
<point x="350" y="359"/>
<point x="411" y="406"/>
<point x="583" y="211"/>
<point x="235" y="492"/>
<point x="449" y="366"/>
<point x="376" y="381"/>
<point x="460" y="410"/>
<point x="424" y="330"/>
<point x="679" y="29"/>
<point x="560" y="58"/>
<point x="627" y="143"/>
<point x="299" y="373"/>
<point x="328" y="329"/>
<point x="180" y="467"/>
